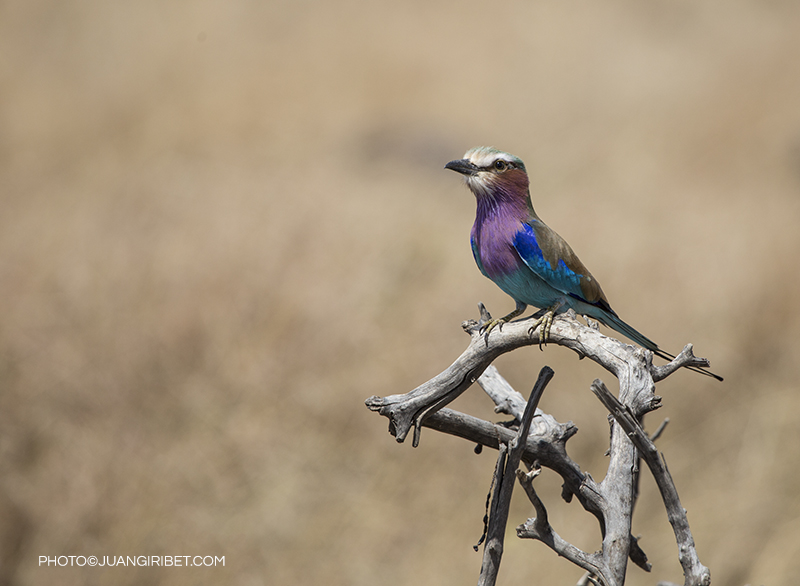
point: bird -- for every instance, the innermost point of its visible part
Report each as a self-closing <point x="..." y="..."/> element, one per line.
<point x="526" y="258"/>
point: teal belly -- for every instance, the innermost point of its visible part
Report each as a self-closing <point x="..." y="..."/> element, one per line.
<point x="525" y="286"/>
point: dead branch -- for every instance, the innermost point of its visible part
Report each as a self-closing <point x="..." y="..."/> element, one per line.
<point x="539" y="528"/>
<point x="696" y="574"/>
<point x="622" y="360"/>
<point x="544" y="444"/>
<point x="505" y="472"/>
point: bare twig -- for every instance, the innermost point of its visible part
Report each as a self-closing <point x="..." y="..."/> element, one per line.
<point x="685" y="358"/>
<point x="659" y="430"/>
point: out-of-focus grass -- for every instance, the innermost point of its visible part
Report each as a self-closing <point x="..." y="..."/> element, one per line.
<point x="224" y="225"/>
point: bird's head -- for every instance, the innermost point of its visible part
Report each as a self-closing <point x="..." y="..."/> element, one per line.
<point x="492" y="173"/>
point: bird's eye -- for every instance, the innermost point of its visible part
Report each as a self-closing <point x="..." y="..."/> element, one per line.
<point x="500" y="165"/>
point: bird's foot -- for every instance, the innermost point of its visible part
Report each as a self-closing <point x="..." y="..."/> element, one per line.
<point x="488" y="326"/>
<point x="544" y="324"/>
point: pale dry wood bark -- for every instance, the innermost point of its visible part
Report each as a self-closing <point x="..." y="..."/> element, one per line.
<point x="505" y="473"/>
<point x="610" y="501"/>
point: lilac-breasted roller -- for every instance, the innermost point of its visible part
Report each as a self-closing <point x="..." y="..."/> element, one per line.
<point x="514" y="248"/>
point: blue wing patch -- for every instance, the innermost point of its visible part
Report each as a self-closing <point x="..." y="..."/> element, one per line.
<point x="561" y="277"/>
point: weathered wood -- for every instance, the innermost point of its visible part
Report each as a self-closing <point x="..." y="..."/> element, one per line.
<point x="409" y="410"/>
<point x="544" y="444"/>
<point x="695" y="573"/>
<point x="588" y="492"/>
<point x="539" y="528"/>
<point x="505" y="473"/>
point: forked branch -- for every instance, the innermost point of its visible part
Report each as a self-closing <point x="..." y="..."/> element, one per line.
<point x="544" y="445"/>
<point x="696" y="573"/>
<point x="410" y="410"/>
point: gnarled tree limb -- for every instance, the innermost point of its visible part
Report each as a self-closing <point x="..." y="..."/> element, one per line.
<point x="622" y="360"/>
<point x="610" y="501"/>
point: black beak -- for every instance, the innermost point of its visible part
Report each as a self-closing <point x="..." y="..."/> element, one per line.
<point x="463" y="166"/>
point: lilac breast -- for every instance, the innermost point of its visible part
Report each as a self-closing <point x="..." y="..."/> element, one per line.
<point x="493" y="239"/>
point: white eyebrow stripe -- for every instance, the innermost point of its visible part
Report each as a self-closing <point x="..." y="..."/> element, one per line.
<point x="486" y="156"/>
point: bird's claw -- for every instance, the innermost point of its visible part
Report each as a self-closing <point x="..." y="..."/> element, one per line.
<point x="546" y="322"/>
<point x="489" y="326"/>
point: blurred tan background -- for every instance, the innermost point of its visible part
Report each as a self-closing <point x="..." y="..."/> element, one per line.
<point x="226" y="224"/>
